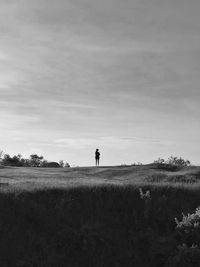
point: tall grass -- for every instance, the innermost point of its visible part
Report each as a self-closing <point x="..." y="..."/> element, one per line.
<point x="92" y="226"/>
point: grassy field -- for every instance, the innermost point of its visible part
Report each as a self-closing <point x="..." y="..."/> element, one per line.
<point x="18" y="178"/>
<point x="97" y="217"/>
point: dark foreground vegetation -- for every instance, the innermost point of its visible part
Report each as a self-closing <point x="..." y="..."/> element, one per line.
<point x="100" y="226"/>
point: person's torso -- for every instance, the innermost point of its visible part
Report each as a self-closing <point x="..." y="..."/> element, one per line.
<point x="97" y="154"/>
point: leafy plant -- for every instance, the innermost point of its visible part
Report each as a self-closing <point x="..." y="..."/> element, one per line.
<point x="189" y="227"/>
<point x="171" y="164"/>
<point x="175" y="161"/>
<point x="146" y="195"/>
<point x="186" y="256"/>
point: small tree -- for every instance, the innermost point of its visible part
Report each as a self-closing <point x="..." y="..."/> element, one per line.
<point x="7" y="160"/>
<point x="61" y="163"/>
<point x="25" y="162"/>
<point x="1" y="154"/>
<point x="35" y="160"/>
<point x="44" y="163"/>
<point x="67" y="165"/>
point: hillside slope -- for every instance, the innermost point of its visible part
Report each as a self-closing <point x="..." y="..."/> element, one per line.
<point x="98" y="217"/>
<point x="39" y="178"/>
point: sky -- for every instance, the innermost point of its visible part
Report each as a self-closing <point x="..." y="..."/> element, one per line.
<point x="121" y="76"/>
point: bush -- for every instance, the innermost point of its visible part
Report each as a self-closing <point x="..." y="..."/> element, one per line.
<point x="178" y="161"/>
<point x="185" y="257"/>
<point x="171" y="164"/>
<point x="189" y="228"/>
<point x="188" y="253"/>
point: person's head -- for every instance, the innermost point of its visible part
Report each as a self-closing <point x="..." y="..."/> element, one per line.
<point x="97" y="149"/>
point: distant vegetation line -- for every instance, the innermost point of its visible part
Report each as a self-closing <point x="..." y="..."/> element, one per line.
<point x="172" y="163"/>
<point x="33" y="161"/>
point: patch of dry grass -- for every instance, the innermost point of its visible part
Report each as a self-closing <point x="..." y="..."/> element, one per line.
<point x="20" y="178"/>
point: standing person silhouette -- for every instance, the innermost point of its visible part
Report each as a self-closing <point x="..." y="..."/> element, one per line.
<point x="97" y="156"/>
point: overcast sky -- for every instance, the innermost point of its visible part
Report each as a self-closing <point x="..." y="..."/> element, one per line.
<point x="121" y="76"/>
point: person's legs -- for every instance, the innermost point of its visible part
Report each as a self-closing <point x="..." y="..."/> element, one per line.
<point x="97" y="162"/>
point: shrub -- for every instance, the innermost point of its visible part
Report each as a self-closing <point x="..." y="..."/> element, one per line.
<point x="178" y="161"/>
<point x="188" y="253"/>
<point x="171" y="164"/>
<point x="189" y="228"/>
<point x="185" y="257"/>
<point x="53" y="165"/>
<point x="173" y="161"/>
